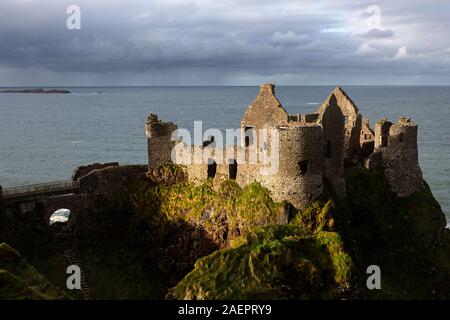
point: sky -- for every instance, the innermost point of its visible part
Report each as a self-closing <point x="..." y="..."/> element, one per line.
<point x="224" y="42"/>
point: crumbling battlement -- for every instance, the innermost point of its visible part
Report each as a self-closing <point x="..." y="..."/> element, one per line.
<point x="312" y="148"/>
<point x="398" y="155"/>
<point x="159" y="137"/>
<point x="81" y="171"/>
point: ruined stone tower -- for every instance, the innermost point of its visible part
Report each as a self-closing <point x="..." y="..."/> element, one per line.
<point x="159" y="142"/>
<point x="396" y="152"/>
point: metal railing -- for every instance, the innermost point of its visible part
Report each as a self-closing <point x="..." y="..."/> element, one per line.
<point x="41" y="188"/>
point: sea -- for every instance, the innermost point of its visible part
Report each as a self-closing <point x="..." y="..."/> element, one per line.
<point x="44" y="137"/>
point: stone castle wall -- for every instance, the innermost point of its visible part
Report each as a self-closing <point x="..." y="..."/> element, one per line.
<point x="397" y="144"/>
<point x="296" y="178"/>
<point x="333" y="147"/>
<point x="84" y="170"/>
<point x="352" y="120"/>
<point x="312" y="147"/>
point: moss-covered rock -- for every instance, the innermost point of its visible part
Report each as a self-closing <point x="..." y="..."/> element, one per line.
<point x="271" y="262"/>
<point x="405" y="237"/>
<point x="249" y="246"/>
<point x="20" y="281"/>
<point x="224" y="212"/>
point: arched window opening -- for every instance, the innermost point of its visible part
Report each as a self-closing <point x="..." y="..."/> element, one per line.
<point x="384" y="141"/>
<point x="232" y="169"/>
<point x="212" y="168"/>
<point x="303" y="166"/>
<point x="248" y="136"/>
<point x="346" y="120"/>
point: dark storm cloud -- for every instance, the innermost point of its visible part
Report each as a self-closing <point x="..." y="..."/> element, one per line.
<point x="228" y="41"/>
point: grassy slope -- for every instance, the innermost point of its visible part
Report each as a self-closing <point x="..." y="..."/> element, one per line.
<point x="19" y="280"/>
<point x="271" y="262"/>
<point x="117" y="272"/>
<point x="405" y="237"/>
<point x="244" y="208"/>
<point x="322" y="253"/>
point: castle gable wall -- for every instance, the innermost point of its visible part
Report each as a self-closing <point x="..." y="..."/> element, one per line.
<point x="353" y="122"/>
<point x="333" y="146"/>
<point x="265" y="111"/>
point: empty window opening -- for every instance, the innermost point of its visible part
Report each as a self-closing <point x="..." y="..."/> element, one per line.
<point x="212" y="168"/>
<point x="248" y="136"/>
<point x="303" y="166"/>
<point x="384" y="141"/>
<point x="232" y="169"/>
<point x="401" y="137"/>
<point x="346" y="119"/>
<point x="328" y="149"/>
<point x="367" y="136"/>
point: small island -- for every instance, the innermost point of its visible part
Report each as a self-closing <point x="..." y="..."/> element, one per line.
<point x="40" y="90"/>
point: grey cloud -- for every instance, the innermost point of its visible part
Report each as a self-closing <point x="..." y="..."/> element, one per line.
<point x="218" y="41"/>
<point x="378" y="34"/>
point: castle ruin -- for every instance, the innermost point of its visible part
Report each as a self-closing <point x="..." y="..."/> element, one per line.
<point x="312" y="148"/>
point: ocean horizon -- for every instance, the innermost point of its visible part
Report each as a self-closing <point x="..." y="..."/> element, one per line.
<point x="43" y="137"/>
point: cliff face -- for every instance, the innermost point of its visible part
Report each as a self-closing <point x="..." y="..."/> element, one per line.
<point x="19" y="280"/>
<point x="219" y="241"/>
<point x="272" y="262"/>
<point x="405" y="237"/>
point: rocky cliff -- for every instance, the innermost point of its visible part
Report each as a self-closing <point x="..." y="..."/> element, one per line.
<point x="160" y="236"/>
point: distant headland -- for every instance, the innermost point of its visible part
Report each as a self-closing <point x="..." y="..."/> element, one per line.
<point x="40" y="90"/>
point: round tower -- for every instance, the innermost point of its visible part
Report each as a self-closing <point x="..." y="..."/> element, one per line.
<point x="299" y="178"/>
<point x="400" y="158"/>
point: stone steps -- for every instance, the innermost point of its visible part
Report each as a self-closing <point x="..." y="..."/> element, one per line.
<point x="72" y="258"/>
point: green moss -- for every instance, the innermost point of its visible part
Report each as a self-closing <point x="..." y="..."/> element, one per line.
<point x="167" y="174"/>
<point x="406" y="237"/>
<point x="323" y="252"/>
<point x="271" y="262"/>
<point x="19" y="280"/>
<point x="318" y="216"/>
<point x="254" y="206"/>
<point x="116" y="271"/>
<point x="54" y="268"/>
<point x="243" y="208"/>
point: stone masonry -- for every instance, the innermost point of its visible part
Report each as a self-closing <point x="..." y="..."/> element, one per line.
<point x="313" y="148"/>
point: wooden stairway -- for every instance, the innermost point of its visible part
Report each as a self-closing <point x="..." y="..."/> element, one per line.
<point x="72" y="258"/>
